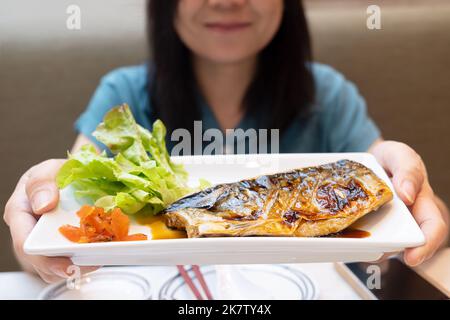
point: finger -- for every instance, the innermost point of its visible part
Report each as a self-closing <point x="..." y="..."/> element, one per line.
<point x="89" y="269"/>
<point x="407" y="170"/>
<point x="405" y="167"/>
<point x="21" y="226"/>
<point x="57" y="268"/>
<point x="18" y="217"/>
<point x="41" y="188"/>
<point x="48" y="278"/>
<point x="433" y="226"/>
<point x="407" y="184"/>
<point x="20" y="223"/>
<point x="54" y="266"/>
<point x="52" y="278"/>
<point x="60" y="266"/>
<point x="386" y="256"/>
<point x="17" y="203"/>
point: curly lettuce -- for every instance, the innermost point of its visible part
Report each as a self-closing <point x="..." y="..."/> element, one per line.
<point x="139" y="178"/>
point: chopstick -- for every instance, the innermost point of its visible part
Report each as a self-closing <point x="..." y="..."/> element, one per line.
<point x="198" y="273"/>
<point x="191" y="284"/>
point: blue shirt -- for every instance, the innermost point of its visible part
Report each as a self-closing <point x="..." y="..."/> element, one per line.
<point x="339" y="122"/>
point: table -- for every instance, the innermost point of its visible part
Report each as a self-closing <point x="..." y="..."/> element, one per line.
<point x="21" y="285"/>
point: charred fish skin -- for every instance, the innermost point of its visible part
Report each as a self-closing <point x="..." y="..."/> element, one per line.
<point x="307" y="202"/>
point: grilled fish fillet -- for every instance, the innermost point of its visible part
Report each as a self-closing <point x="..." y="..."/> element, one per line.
<point x="308" y="202"/>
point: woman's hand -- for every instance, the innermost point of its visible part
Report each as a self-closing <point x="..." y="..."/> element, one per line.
<point x="410" y="180"/>
<point x="36" y="193"/>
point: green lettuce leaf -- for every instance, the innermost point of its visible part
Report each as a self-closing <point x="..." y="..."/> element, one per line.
<point x="121" y="134"/>
<point x="139" y="178"/>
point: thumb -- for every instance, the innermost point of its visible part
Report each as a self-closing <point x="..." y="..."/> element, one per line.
<point x="41" y="188"/>
<point x="405" y="166"/>
<point x="408" y="184"/>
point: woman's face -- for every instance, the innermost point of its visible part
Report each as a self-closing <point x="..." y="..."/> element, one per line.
<point x="227" y="31"/>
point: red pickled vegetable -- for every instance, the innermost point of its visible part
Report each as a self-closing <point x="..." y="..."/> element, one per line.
<point x="96" y="225"/>
<point x="120" y="224"/>
<point x="70" y="232"/>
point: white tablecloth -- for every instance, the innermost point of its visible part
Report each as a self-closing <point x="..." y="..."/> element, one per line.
<point x="21" y="285"/>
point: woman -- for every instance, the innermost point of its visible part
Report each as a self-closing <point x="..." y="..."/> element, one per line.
<point x="235" y="64"/>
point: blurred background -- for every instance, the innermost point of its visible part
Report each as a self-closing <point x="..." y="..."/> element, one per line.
<point x="48" y="73"/>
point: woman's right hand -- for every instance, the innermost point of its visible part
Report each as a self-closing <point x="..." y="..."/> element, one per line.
<point x="36" y="193"/>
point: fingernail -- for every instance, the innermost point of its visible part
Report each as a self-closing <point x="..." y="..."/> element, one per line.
<point x="408" y="190"/>
<point x="59" y="271"/>
<point x="420" y="260"/>
<point x="417" y="262"/>
<point x="41" y="199"/>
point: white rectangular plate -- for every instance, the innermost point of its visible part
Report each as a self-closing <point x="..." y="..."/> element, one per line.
<point x="392" y="227"/>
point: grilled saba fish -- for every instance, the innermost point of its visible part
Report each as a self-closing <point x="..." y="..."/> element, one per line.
<point x="308" y="202"/>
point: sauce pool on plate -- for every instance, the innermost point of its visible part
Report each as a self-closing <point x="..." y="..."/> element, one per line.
<point x="158" y="228"/>
<point x="351" y="233"/>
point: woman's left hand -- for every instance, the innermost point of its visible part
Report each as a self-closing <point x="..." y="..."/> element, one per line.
<point x="410" y="180"/>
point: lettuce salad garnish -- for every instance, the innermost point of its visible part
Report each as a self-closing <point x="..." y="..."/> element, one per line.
<point x="140" y="178"/>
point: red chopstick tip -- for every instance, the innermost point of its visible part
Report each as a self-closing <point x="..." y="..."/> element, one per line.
<point x="198" y="274"/>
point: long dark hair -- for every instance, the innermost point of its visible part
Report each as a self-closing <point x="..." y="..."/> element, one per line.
<point x="282" y="89"/>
